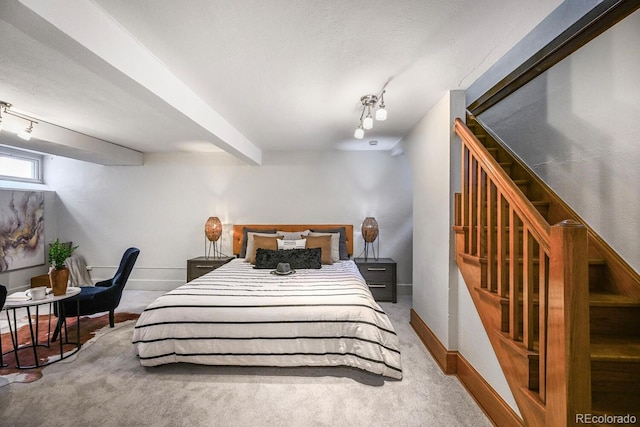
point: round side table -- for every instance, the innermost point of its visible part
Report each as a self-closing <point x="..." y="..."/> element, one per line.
<point x="12" y="305"/>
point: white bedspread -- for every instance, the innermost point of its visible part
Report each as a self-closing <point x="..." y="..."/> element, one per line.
<point x="238" y="315"/>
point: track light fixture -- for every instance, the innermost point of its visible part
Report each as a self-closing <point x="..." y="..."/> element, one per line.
<point x="366" y="122"/>
<point x="25" y="134"/>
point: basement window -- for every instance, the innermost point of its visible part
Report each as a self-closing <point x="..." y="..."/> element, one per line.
<point x="17" y="165"/>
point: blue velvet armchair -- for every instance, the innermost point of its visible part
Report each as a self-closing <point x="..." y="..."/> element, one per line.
<point x="104" y="296"/>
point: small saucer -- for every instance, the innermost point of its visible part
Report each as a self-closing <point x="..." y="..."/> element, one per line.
<point x="283" y="274"/>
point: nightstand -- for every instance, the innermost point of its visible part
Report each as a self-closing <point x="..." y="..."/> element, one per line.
<point x="196" y="267"/>
<point x="380" y="275"/>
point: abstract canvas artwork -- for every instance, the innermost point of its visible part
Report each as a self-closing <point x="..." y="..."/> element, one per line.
<point x="21" y="229"/>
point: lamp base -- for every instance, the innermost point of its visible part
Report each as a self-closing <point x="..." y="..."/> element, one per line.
<point x="216" y="249"/>
<point x="366" y="251"/>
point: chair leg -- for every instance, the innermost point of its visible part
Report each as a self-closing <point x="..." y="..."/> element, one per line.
<point x="112" y="318"/>
<point x="57" y="329"/>
<point x="2" y="365"/>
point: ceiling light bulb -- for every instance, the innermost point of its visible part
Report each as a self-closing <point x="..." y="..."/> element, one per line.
<point x="381" y="114"/>
<point x="359" y="133"/>
<point x="25" y="135"/>
<point x="367" y="123"/>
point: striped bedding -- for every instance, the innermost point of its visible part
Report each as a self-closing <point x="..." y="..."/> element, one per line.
<point x="238" y="315"/>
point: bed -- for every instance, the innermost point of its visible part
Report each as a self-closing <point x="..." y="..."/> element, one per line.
<point x="239" y="315"/>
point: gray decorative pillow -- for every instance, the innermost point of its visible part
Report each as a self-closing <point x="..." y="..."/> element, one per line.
<point x="297" y="258"/>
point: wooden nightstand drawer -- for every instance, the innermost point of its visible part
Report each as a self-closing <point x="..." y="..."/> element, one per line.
<point x="197" y="267"/>
<point x="380" y="275"/>
<point x="381" y="291"/>
<point x="377" y="273"/>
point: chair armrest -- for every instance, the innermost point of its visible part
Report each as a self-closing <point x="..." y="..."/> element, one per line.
<point x="104" y="283"/>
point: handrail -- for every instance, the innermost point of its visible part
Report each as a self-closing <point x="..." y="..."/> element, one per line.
<point x="595" y="22"/>
<point x="523" y="206"/>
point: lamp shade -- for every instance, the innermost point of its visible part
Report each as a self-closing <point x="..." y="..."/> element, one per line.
<point x="367" y="123"/>
<point x="369" y="229"/>
<point x="213" y="228"/>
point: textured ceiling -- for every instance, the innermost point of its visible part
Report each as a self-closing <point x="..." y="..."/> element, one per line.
<point x="271" y="75"/>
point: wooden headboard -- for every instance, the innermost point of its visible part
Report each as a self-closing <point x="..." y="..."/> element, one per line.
<point x="237" y="232"/>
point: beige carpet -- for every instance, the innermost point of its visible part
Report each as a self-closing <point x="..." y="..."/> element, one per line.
<point x="104" y="385"/>
<point x="44" y="324"/>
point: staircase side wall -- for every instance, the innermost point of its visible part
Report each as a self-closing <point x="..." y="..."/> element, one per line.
<point x="440" y="296"/>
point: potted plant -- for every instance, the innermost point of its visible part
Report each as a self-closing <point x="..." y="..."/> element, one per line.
<point x="59" y="273"/>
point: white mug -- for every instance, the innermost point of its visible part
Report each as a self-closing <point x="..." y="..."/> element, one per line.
<point x="37" y="293"/>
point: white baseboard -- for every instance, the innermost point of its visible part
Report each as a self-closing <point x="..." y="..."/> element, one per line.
<point x="145" y="278"/>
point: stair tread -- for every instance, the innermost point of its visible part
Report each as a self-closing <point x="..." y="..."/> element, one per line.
<point x="592" y="261"/>
<point x="609" y="299"/>
<point x="612" y="348"/>
<point x="604" y="348"/>
<point x="596" y="298"/>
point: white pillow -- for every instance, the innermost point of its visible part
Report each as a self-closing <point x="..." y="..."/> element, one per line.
<point x="335" y="244"/>
<point x="292" y="235"/>
<point x="291" y="244"/>
<point x="250" y="242"/>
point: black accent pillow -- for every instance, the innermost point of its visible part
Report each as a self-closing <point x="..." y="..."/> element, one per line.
<point x="297" y="258"/>
<point x="343" y="240"/>
<point x="245" y="230"/>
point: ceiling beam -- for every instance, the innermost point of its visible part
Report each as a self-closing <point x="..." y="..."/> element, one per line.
<point x="81" y="19"/>
<point x="59" y="141"/>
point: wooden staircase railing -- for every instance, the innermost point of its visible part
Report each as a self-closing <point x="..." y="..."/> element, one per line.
<point x="529" y="282"/>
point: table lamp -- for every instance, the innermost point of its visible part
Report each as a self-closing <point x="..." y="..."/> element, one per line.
<point x="212" y="232"/>
<point x="369" y="234"/>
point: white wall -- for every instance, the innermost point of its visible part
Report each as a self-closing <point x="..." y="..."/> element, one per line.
<point x="428" y="148"/>
<point x="161" y="207"/>
<point x="440" y="296"/>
